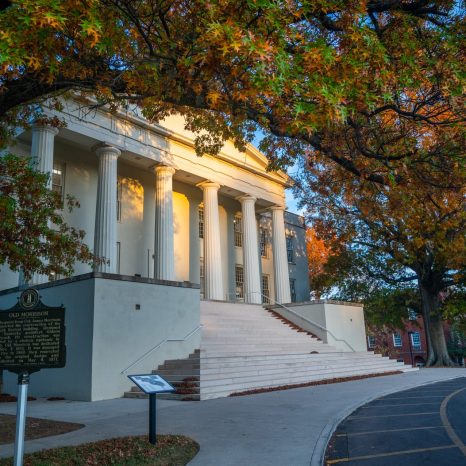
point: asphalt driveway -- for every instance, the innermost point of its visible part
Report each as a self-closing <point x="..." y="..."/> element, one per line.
<point x="423" y="426"/>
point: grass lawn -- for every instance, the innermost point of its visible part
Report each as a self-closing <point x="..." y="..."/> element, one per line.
<point x="171" y="450"/>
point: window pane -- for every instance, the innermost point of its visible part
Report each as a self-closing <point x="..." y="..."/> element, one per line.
<point x="289" y="248"/>
<point x="58" y="178"/>
<point x="202" y="278"/>
<point x="397" y="340"/>
<point x="118" y="247"/>
<point x="238" y="229"/>
<point x="201" y="221"/>
<point x="293" y="290"/>
<point x="263" y="242"/>
<point x="119" y="187"/>
<point x="265" y="289"/>
<point x="239" y="279"/>
<point x="416" y="340"/>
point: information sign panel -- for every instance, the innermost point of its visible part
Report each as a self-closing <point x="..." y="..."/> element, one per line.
<point x="32" y="335"/>
<point x="151" y="383"/>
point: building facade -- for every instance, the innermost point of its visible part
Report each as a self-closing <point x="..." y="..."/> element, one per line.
<point x="175" y="229"/>
<point x="154" y="209"/>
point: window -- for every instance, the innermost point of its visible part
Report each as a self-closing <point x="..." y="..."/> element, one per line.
<point x="202" y="278"/>
<point x="118" y="252"/>
<point x="265" y="290"/>
<point x="397" y="340"/>
<point x="238" y="230"/>
<point x="201" y="221"/>
<point x="239" y="280"/>
<point x="54" y="276"/>
<point x="150" y="263"/>
<point x="263" y="242"/>
<point x="58" y="179"/>
<point x="119" y="186"/>
<point x="416" y="340"/>
<point x="293" y="290"/>
<point x="412" y="315"/>
<point x="289" y="248"/>
<point x="371" y="341"/>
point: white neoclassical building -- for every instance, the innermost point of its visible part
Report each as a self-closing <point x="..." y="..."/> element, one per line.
<point x="175" y="229"/>
<point x="154" y="209"/>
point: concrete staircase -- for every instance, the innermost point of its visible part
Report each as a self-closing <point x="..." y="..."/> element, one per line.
<point x="245" y="347"/>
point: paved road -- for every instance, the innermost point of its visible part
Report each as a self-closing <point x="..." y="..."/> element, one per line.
<point x="285" y="428"/>
<point x="424" y="426"/>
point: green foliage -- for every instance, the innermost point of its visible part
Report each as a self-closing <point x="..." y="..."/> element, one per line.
<point x="455" y="309"/>
<point x="35" y="238"/>
<point x="356" y="275"/>
<point x="308" y="71"/>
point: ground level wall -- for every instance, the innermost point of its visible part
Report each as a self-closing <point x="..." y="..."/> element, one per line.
<point x="112" y="321"/>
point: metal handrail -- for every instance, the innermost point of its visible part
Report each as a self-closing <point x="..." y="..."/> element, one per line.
<point x="159" y="345"/>
<point x="321" y="327"/>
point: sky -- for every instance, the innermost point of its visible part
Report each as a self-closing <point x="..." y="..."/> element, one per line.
<point x="291" y="202"/>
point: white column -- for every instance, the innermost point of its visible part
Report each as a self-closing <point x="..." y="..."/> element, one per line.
<point x="42" y="145"/>
<point x="252" y="280"/>
<point x="42" y="149"/>
<point x="280" y="260"/>
<point x="164" y="268"/>
<point x="105" y="237"/>
<point x="212" y="248"/>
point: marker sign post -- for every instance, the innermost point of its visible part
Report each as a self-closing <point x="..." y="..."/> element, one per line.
<point x="152" y="384"/>
<point x="32" y="337"/>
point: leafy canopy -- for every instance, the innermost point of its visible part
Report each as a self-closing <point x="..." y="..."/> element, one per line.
<point x="369" y="73"/>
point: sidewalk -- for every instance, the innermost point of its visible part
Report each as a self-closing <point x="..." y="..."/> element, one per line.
<point x="286" y="427"/>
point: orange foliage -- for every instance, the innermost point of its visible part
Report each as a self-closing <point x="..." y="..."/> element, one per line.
<point x="317" y="253"/>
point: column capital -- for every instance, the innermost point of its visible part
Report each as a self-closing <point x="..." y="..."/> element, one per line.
<point x="104" y="148"/>
<point x="46" y="129"/>
<point x="163" y="169"/>
<point x="276" y="207"/>
<point x="208" y="184"/>
<point x="245" y="198"/>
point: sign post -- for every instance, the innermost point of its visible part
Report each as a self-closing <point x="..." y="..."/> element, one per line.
<point x="23" y="381"/>
<point x="152" y="419"/>
<point x="32" y="338"/>
<point x="151" y="384"/>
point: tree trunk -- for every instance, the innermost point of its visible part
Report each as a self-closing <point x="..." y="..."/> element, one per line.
<point x="437" y="347"/>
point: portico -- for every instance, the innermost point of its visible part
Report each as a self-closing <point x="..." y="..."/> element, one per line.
<point x="178" y="233"/>
<point x="141" y="190"/>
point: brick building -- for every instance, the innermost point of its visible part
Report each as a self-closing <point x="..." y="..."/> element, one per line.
<point x="409" y="344"/>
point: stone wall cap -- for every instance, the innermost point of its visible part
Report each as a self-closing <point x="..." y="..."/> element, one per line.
<point x="104" y="276"/>
<point x="320" y="301"/>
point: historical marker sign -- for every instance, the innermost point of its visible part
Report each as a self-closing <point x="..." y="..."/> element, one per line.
<point x="32" y="335"/>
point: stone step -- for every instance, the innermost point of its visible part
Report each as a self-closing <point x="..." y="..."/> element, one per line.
<point x="219" y="378"/>
<point x="224" y="365"/>
<point x="269" y="352"/>
<point x="225" y="390"/>
<point x="230" y="348"/>
<point x="273" y="357"/>
<point x="245" y="347"/>
<point x="284" y="368"/>
<point x="176" y="376"/>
